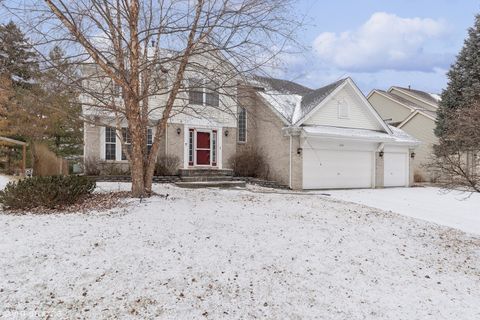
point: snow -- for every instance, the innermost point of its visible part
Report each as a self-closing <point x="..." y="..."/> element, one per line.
<point x="236" y="254"/>
<point x="453" y="209"/>
<point x="4" y="180"/>
<point x="286" y="104"/>
<point x="436" y="96"/>
<point x="398" y="136"/>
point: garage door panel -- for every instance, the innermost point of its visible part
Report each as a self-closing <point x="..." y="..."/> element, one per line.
<point x="395" y="169"/>
<point x="324" y="169"/>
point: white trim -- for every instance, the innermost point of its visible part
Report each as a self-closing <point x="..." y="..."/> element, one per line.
<point x="412" y="115"/>
<point x="290" y="165"/>
<point x="322" y="103"/>
<point x="369" y="106"/>
<point x="352" y="84"/>
<point x="102" y="143"/>
<point x="392" y="99"/>
<point x="413" y="96"/>
<point x="219" y="149"/>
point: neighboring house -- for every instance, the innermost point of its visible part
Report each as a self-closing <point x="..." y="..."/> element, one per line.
<point x="415" y="112"/>
<point x="311" y="139"/>
<point x="326" y="138"/>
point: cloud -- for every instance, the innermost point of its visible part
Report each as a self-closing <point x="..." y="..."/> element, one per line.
<point x="385" y="42"/>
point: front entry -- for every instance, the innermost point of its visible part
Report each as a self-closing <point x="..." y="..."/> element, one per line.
<point x="203" y="148"/>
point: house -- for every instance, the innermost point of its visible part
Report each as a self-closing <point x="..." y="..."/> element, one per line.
<point x="414" y="112"/>
<point x="311" y="139"/>
<point x="326" y="138"/>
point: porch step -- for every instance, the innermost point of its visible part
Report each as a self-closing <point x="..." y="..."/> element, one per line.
<point x="205" y="172"/>
<point x="205" y="178"/>
<point x="211" y="184"/>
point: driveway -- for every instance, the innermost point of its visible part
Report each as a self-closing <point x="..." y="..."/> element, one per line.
<point x="453" y="209"/>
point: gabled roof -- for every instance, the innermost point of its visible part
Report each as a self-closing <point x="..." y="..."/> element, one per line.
<point x="291" y="100"/>
<point x="430" y="98"/>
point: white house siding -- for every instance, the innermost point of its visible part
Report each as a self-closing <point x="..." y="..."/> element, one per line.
<point x="388" y="109"/>
<point x="359" y="116"/>
<point x="422" y="128"/>
<point x="413" y="99"/>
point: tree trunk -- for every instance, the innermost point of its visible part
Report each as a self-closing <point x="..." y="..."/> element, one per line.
<point x="137" y="167"/>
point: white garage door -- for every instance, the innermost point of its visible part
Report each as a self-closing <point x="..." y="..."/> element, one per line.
<point x="395" y="169"/>
<point x="329" y="169"/>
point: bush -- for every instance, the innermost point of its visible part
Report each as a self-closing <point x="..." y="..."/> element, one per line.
<point x="91" y="166"/>
<point x="167" y="165"/>
<point x="249" y="163"/>
<point x="48" y="192"/>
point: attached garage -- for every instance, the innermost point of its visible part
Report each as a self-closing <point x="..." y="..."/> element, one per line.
<point x="337" y="165"/>
<point x="396" y="168"/>
<point x="329" y="169"/>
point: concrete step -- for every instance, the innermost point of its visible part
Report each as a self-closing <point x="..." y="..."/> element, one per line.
<point x="211" y="184"/>
<point x="205" y="172"/>
<point x="206" y="178"/>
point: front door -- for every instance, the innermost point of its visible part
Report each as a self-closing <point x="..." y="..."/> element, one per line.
<point x="203" y="150"/>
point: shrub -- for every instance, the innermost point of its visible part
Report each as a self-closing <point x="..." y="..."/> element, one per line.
<point x="115" y="169"/>
<point x="91" y="166"/>
<point x="249" y="163"/>
<point x="48" y="192"/>
<point x="167" y="165"/>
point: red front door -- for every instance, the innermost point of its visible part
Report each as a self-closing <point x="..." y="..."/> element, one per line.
<point x="203" y="148"/>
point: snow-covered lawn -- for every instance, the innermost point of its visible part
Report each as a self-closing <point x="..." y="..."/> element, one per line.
<point x="236" y="254"/>
<point x="454" y="209"/>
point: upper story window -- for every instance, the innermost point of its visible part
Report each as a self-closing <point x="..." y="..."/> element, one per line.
<point x="343" y="109"/>
<point x="201" y="93"/>
<point x="242" y="124"/>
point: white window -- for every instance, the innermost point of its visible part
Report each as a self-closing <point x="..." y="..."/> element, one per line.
<point x="110" y="143"/>
<point x="200" y="93"/>
<point x="127" y="140"/>
<point x="343" y="109"/>
<point x="242" y="125"/>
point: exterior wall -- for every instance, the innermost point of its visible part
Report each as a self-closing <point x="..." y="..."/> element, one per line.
<point x="229" y="146"/>
<point x="264" y="133"/>
<point x="379" y="171"/>
<point x="359" y="116"/>
<point x="388" y="109"/>
<point x="411" y="98"/>
<point x="92" y="142"/>
<point x="421" y="127"/>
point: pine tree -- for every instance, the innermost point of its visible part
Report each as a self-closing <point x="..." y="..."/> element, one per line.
<point x="463" y="89"/>
<point x="18" y="61"/>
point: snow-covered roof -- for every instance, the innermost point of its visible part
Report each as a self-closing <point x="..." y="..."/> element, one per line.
<point x="290" y="99"/>
<point x="398" y="136"/>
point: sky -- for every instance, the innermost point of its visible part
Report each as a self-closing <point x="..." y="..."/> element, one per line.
<point x="379" y="43"/>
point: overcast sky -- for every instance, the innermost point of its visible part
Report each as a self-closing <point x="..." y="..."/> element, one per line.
<point x="380" y="43"/>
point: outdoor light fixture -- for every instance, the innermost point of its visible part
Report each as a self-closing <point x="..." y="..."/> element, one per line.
<point x="179" y="131"/>
<point x="226" y="133"/>
<point x="299" y="151"/>
<point x="412" y="155"/>
<point x="380" y="154"/>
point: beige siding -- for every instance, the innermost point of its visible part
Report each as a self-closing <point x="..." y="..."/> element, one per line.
<point x="421" y="127"/>
<point x="404" y="95"/>
<point x="388" y="109"/>
<point x="359" y="116"/>
<point x="264" y="132"/>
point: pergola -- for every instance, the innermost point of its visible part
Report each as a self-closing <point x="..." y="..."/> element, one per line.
<point x="24" y="150"/>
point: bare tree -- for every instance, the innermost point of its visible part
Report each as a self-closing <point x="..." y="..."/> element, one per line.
<point x="457" y="154"/>
<point x="137" y="57"/>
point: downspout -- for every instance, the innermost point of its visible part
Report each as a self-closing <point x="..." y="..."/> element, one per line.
<point x="290" y="165"/>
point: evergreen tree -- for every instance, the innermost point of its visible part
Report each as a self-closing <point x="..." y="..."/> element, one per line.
<point x="18" y="61"/>
<point x="463" y="89"/>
